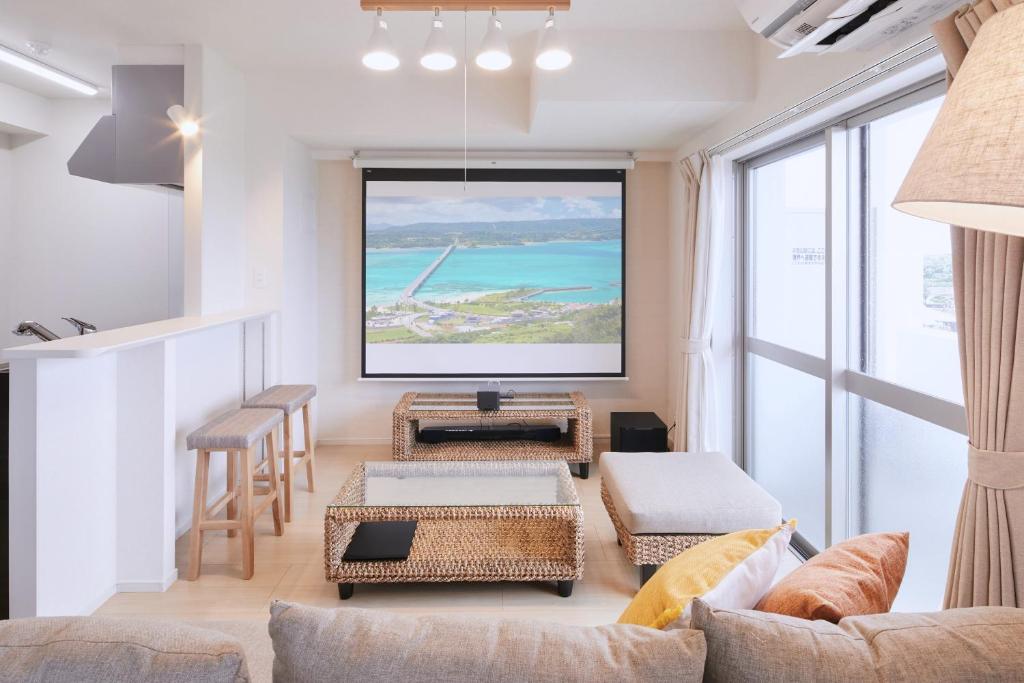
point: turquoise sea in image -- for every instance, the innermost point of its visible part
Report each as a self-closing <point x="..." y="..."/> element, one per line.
<point x="474" y="271"/>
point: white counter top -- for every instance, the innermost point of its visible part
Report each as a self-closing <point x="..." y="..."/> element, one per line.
<point x="107" y="341"/>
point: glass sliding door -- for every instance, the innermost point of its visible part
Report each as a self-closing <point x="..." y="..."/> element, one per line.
<point x="853" y="414"/>
<point x="787" y="215"/>
<point x="785" y="383"/>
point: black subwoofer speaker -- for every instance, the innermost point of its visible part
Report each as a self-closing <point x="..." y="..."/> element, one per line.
<point x="638" y="433"/>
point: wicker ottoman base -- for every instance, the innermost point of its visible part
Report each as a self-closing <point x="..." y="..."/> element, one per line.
<point x="649" y="551"/>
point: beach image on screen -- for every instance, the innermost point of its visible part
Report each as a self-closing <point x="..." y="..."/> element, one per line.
<point x="503" y="264"/>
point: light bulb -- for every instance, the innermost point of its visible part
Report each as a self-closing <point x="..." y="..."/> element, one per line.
<point x="380" y="53"/>
<point x="494" y="54"/>
<point x="186" y="125"/>
<point x="437" y="53"/>
<point x="552" y="53"/>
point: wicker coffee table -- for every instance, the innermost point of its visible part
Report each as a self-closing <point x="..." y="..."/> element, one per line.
<point x="576" y="446"/>
<point x="476" y="521"/>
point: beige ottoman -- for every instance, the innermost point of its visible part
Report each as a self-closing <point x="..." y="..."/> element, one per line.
<point x="663" y="503"/>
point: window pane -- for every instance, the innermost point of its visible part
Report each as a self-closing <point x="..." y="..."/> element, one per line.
<point x="787" y="216"/>
<point x="909" y="335"/>
<point x="787" y="441"/>
<point x="908" y="475"/>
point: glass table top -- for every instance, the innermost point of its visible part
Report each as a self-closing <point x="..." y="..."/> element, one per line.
<point x="464" y="484"/>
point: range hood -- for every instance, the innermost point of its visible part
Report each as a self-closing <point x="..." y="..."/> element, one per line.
<point x="137" y="143"/>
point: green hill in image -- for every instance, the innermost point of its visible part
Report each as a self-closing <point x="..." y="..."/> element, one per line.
<point x="470" y="234"/>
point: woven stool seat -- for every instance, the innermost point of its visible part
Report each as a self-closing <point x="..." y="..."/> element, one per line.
<point x="288" y="400"/>
<point x="286" y="397"/>
<point x="235" y="429"/>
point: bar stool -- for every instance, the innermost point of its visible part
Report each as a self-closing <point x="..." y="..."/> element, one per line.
<point x="289" y="398"/>
<point x="236" y="433"/>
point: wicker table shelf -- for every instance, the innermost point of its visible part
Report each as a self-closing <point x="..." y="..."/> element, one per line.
<point x="576" y="445"/>
<point x="476" y="521"/>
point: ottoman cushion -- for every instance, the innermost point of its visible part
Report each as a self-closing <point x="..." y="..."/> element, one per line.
<point x="685" y="493"/>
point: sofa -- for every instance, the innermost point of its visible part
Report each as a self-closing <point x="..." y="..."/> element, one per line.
<point x="313" y="644"/>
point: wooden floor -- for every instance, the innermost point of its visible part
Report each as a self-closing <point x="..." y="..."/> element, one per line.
<point x="290" y="567"/>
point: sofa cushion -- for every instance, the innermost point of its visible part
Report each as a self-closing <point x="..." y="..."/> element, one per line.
<point x="974" y="644"/>
<point x="86" y="649"/>
<point x="314" y="644"/>
<point x="685" y="493"/>
<point x="733" y="570"/>
<point x="255" y="640"/>
<point x="860" y="575"/>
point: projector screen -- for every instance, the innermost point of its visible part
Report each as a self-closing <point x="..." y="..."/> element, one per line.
<point x="515" y="273"/>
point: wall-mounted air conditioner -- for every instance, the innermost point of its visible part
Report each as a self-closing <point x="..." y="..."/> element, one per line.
<point x="810" y="26"/>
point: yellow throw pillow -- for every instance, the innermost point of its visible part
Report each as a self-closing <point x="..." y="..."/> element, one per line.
<point x="730" y="571"/>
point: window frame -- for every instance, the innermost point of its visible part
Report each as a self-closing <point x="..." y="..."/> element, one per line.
<point x="844" y="298"/>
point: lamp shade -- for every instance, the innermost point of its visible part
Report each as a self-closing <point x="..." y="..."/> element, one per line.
<point x="494" y="53"/>
<point x="970" y="169"/>
<point x="380" y="53"/>
<point x="438" y="54"/>
<point x="552" y="52"/>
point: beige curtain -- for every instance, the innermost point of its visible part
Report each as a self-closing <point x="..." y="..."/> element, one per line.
<point x="987" y="561"/>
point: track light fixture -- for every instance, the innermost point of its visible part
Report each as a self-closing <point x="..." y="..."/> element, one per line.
<point x="494" y="54"/>
<point x="185" y="124"/>
<point x="438" y="54"/>
<point x="552" y="52"/>
<point x="380" y="53"/>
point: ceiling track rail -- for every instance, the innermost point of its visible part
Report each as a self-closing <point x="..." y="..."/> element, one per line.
<point x="465" y="5"/>
<point x="919" y="50"/>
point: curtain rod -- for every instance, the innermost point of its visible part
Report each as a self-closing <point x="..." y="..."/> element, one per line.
<point x="922" y="48"/>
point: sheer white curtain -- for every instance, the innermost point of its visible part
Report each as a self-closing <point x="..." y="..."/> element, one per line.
<point x="696" y="421"/>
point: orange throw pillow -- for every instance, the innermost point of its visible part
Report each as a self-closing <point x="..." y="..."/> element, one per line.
<point x="859" y="576"/>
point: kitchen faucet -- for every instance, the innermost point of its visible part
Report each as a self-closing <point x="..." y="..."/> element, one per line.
<point x="30" y="328"/>
<point x="82" y="326"/>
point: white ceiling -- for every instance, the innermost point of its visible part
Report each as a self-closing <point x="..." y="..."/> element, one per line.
<point x="279" y="37"/>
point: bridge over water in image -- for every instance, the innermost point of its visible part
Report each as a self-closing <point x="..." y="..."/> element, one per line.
<point x="409" y="292"/>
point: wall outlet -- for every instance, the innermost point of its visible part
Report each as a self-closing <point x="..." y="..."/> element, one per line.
<point x="259" y="278"/>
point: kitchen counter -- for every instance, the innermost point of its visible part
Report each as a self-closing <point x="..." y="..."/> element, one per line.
<point x="100" y="478"/>
<point x="107" y="341"/>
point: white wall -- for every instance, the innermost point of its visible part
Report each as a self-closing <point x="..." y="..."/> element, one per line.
<point x="80" y="247"/>
<point x="6" y="216"/>
<point x="215" y="177"/>
<point x="299" y="296"/>
<point x="360" y="412"/>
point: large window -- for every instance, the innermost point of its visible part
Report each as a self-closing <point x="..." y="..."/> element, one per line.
<point x="853" y="414"/>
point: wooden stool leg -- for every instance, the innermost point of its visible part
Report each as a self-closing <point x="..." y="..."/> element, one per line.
<point x="195" y="544"/>
<point x="310" y="447"/>
<point x="232" y="459"/>
<point x="275" y="488"/>
<point x="246" y="457"/>
<point x="288" y="468"/>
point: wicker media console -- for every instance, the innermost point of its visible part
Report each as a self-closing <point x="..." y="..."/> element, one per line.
<point x="576" y="445"/>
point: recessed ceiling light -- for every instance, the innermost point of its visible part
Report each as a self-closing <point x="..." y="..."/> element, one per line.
<point x="438" y="54"/>
<point x="552" y="53"/>
<point x="35" y="67"/>
<point x="380" y="54"/>
<point x="494" y="54"/>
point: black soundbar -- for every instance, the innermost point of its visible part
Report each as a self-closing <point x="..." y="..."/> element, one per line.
<point x="545" y="433"/>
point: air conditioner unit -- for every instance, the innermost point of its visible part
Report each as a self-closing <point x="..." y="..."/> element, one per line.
<point x="809" y="26"/>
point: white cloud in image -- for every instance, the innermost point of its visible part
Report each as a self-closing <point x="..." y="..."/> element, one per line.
<point x="397" y="210"/>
